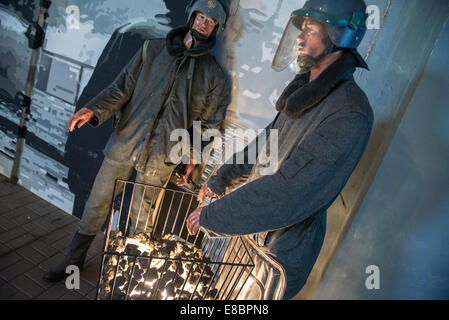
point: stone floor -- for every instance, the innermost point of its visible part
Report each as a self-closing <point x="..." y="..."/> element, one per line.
<point x="34" y="236"/>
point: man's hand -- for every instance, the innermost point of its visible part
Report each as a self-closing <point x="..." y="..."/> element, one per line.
<point x="205" y="192"/>
<point x="81" y="117"/>
<point x="184" y="181"/>
<point x="193" y="222"/>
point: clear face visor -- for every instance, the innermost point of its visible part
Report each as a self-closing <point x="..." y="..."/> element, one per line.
<point x="287" y="50"/>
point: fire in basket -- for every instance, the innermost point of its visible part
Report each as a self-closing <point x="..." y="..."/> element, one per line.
<point x="158" y="259"/>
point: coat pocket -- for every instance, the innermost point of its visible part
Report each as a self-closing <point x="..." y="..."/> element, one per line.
<point x="298" y="160"/>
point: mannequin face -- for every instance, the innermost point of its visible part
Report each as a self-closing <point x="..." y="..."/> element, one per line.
<point x="312" y="39"/>
<point x="204" y="24"/>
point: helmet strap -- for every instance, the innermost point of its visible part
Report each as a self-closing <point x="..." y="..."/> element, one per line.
<point x="198" y="36"/>
<point x="307" y="62"/>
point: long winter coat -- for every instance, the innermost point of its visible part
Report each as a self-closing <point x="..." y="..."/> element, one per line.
<point x="170" y="90"/>
<point x="323" y="129"/>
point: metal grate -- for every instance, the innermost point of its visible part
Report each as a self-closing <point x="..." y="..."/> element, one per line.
<point x="152" y="256"/>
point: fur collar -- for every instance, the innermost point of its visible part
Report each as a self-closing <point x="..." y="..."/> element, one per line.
<point x="301" y="96"/>
<point x="175" y="44"/>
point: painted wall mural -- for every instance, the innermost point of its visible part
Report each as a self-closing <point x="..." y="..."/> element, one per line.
<point x="87" y="43"/>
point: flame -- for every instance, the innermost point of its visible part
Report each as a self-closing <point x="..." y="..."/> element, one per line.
<point x="143" y="286"/>
<point x="157" y="263"/>
<point x="142" y="247"/>
<point x="165" y="296"/>
<point x="150" y="283"/>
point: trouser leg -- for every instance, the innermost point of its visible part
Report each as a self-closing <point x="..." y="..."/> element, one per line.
<point x="146" y="200"/>
<point x="75" y="257"/>
<point x="94" y="216"/>
<point x="98" y="204"/>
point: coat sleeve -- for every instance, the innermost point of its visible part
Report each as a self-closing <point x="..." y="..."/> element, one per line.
<point x="294" y="192"/>
<point x="218" y="99"/>
<point x="214" y="111"/>
<point x="117" y="94"/>
<point x="231" y="176"/>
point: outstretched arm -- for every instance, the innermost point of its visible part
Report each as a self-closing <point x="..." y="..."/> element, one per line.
<point x="304" y="184"/>
<point x="117" y="94"/>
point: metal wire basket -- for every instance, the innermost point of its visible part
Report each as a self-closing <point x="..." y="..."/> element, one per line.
<point x="149" y="254"/>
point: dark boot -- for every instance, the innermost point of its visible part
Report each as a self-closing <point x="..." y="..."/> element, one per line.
<point x="75" y="256"/>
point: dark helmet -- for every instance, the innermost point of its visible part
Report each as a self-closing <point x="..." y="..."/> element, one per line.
<point x="345" y="20"/>
<point x="217" y="9"/>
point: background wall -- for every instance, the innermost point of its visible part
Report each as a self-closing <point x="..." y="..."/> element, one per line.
<point x="70" y="56"/>
<point x="396" y="53"/>
<point x="68" y="59"/>
<point x="402" y="226"/>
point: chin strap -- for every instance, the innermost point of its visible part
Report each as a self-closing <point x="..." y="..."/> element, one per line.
<point x="198" y="36"/>
<point x="306" y="62"/>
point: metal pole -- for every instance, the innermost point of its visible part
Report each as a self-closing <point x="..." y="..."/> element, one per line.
<point x="35" y="42"/>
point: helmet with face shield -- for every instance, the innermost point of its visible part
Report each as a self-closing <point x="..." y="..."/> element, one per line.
<point x="345" y="22"/>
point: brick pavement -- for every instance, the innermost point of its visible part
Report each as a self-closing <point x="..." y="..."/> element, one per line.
<point x="34" y="235"/>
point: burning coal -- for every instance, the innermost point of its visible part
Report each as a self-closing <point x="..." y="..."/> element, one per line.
<point x="143" y="268"/>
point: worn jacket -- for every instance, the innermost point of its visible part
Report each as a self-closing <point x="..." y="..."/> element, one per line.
<point x="83" y="155"/>
<point x="323" y="128"/>
<point x="170" y="90"/>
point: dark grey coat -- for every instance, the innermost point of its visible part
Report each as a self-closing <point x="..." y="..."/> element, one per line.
<point x="173" y="88"/>
<point x="324" y="127"/>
